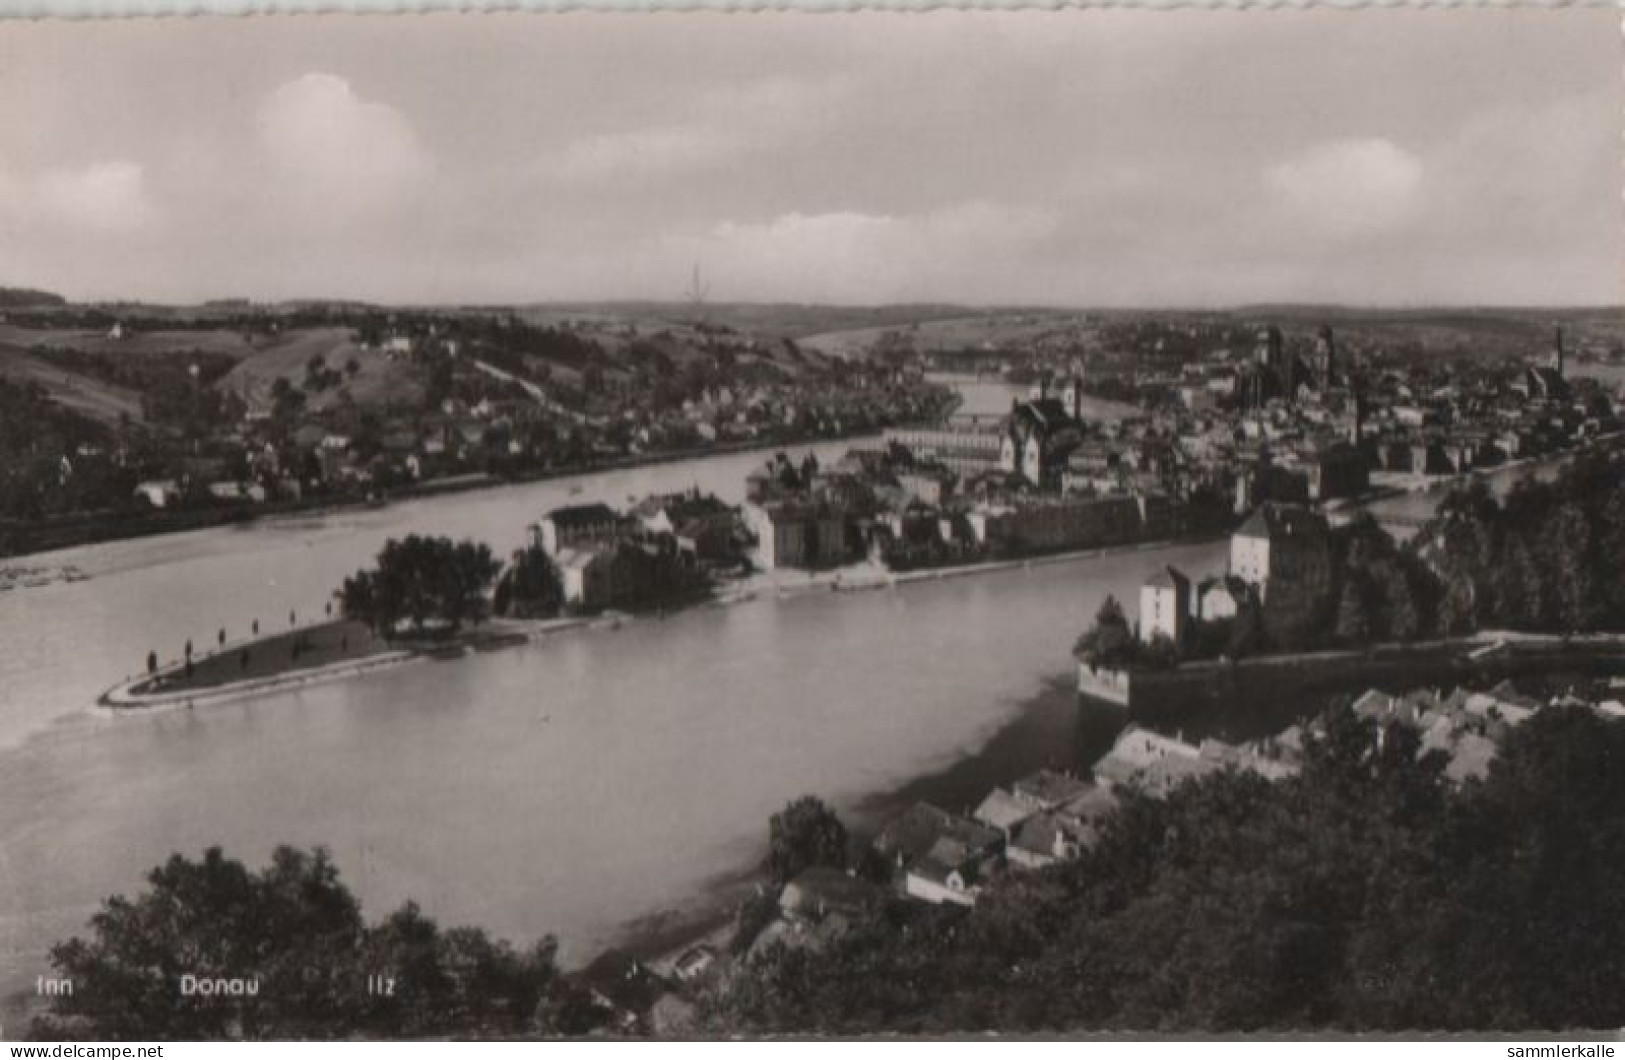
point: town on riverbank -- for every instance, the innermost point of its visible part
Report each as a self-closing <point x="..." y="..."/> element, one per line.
<point x="149" y="419"/>
<point x="135" y="420"/>
<point x="1301" y="439"/>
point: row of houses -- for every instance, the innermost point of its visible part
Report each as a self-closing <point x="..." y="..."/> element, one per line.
<point x="1050" y="817"/>
<point x="1467" y="727"/>
<point x="872" y="503"/>
<point x="1155" y="764"/>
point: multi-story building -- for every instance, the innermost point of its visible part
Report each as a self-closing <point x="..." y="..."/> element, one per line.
<point x="967" y="447"/>
<point x="1284" y="550"/>
<point x="1280" y="543"/>
<point x="1165" y="606"/>
<point x="1054" y="523"/>
<point x="1038" y="437"/>
<point x="797" y="533"/>
<point x="577" y="524"/>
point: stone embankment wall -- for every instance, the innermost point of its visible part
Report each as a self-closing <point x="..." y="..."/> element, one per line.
<point x="1220" y="685"/>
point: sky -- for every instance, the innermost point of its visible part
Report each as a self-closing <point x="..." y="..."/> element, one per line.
<point x="1084" y="157"/>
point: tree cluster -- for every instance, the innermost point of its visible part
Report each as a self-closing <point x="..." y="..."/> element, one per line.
<point x="1365" y="894"/>
<point x="1382" y="592"/>
<point x="297" y="929"/>
<point x="804" y="834"/>
<point x="421" y="580"/>
<point x="1545" y="558"/>
<point x="1110" y="643"/>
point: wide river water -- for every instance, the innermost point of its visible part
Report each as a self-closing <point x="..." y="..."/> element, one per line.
<point x="567" y="787"/>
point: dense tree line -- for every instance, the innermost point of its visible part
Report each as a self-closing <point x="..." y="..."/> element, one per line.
<point x="1382" y="591"/>
<point x="296" y="929"/>
<point x="423" y="580"/>
<point x="1365" y="894"/>
<point x="1547" y="557"/>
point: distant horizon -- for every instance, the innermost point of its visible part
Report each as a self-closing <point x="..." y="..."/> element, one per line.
<point x="720" y="304"/>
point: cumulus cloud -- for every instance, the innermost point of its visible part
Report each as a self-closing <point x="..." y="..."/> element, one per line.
<point x="330" y="149"/>
<point x="1349" y="188"/>
<point x="1010" y="157"/>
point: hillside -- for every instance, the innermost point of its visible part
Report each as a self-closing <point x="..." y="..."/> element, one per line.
<point x="103" y="402"/>
<point x="24" y="296"/>
<point x="377" y="379"/>
<point x="765" y="321"/>
<point x="1489" y="332"/>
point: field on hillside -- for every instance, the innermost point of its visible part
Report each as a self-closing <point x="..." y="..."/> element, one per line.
<point x="134" y="344"/>
<point x="95" y="399"/>
<point x="379" y="380"/>
<point x="679" y="335"/>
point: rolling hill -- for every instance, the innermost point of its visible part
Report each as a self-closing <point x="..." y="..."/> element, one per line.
<point x="103" y="402"/>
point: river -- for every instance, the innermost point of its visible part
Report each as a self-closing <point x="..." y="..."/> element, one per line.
<point x="567" y="787"/>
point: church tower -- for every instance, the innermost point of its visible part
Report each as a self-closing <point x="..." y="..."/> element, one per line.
<point x="1326" y="357"/>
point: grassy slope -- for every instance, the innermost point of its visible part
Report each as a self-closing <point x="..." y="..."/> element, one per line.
<point x="321" y="645"/>
<point x="92" y="398"/>
<point x="380" y="380"/>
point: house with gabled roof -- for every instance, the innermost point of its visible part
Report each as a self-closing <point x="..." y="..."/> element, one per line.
<point x="939" y="856"/>
<point x="1049" y="789"/>
<point x="1004" y="810"/>
<point x="1047" y="838"/>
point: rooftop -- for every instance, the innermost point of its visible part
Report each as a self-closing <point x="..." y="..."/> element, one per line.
<point x="1003" y="810"/>
<point x="582" y="515"/>
<point x="1049" y="788"/>
<point x="1168" y="578"/>
<point x="917" y="830"/>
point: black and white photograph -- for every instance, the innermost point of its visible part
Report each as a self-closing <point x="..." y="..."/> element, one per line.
<point x="699" y="525"/>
